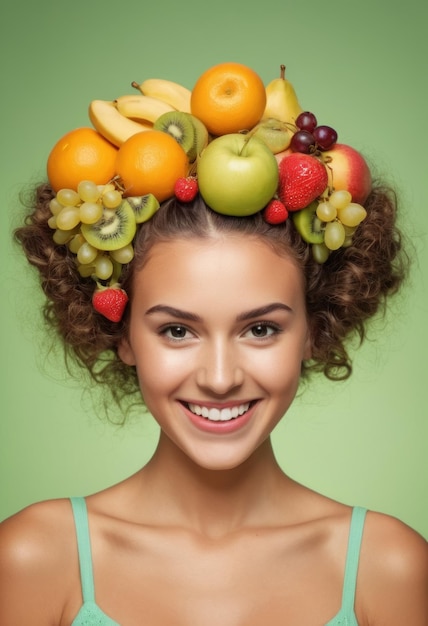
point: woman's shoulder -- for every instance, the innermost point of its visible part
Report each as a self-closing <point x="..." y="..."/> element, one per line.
<point x="393" y="573"/>
<point x="37" y="562"/>
<point x="27" y="533"/>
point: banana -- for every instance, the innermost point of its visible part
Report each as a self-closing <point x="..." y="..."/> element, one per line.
<point x="172" y="93"/>
<point x="111" y="124"/>
<point x="281" y="100"/>
<point x="139" y="107"/>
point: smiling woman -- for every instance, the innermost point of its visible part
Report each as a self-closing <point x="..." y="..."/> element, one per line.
<point x="225" y="316"/>
<point x="211" y="310"/>
<point x="192" y="348"/>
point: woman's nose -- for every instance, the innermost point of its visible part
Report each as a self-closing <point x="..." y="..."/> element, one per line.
<point x="219" y="368"/>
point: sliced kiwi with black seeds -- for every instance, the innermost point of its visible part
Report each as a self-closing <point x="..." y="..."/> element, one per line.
<point x="201" y="137"/>
<point x="308" y="224"/>
<point x="144" y="207"/>
<point x="115" y="229"/>
<point x="177" y="124"/>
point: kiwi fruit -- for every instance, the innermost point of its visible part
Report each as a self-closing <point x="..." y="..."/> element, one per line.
<point x="178" y="125"/>
<point x="143" y="206"/>
<point x="274" y="134"/>
<point x="201" y="137"/>
<point x="114" y="230"/>
<point x="308" y="224"/>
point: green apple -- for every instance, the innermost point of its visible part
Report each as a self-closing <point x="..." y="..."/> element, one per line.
<point x="237" y="174"/>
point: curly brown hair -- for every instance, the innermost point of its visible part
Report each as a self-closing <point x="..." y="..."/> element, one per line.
<point x="341" y="295"/>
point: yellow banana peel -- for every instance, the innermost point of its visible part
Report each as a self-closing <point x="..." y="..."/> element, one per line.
<point x="172" y="93"/>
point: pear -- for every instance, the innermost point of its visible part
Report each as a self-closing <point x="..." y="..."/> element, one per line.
<point x="275" y="134"/>
<point x="281" y="100"/>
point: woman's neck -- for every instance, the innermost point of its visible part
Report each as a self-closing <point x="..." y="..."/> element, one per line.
<point x="213" y="502"/>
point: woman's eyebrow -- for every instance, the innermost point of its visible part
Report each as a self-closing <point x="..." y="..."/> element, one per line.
<point x="192" y="317"/>
<point x="174" y="312"/>
<point x="264" y="310"/>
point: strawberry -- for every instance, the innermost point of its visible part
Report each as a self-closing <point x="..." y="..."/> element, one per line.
<point x="110" y="302"/>
<point x="185" y="189"/>
<point x="275" y="212"/>
<point x="302" y="178"/>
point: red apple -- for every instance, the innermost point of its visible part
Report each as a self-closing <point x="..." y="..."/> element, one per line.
<point x="280" y="155"/>
<point x="347" y="169"/>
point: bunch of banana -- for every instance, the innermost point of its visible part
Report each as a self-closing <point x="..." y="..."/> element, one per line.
<point x="281" y="100"/>
<point x="119" y="119"/>
<point x="172" y="93"/>
<point x="110" y="123"/>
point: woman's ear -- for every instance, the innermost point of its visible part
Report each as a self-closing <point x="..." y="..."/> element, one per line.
<point x="125" y="352"/>
<point x="307" y="349"/>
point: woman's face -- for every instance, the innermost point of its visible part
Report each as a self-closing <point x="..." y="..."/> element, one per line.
<point x="218" y="332"/>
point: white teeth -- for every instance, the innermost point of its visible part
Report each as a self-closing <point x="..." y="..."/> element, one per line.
<point x="219" y="415"/>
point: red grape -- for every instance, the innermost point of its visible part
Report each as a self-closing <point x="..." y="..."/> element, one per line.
<point x="302" y="141"/>
<point x="325" y="137"/>
<point x="306" y="121"/>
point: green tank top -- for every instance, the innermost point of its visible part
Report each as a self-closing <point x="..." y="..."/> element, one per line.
<point x="91" y="615"/>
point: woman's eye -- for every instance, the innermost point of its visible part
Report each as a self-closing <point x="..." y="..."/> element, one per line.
<point x="261" y="331"/>
<point x="175" y="332"/>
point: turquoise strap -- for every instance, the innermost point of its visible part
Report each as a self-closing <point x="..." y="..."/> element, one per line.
<point x="84" y="548"/>
<point x="352" y="558"/>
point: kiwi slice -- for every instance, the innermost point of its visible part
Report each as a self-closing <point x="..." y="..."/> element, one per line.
<point x="201" y="137"/>
<point x="274" y="133"/>
<point x="114" y="230"/>
<point x="308" y="224"/>
<point x="144" y="207"/>
<point x="177" y="124"/>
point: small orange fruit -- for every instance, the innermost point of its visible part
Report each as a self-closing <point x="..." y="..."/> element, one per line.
<point x="228" y="98"/>
<point x="81" y="154"/>
<point x="151" y="162"/>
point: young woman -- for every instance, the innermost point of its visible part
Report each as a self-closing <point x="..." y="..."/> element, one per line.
<point x="225" y="317"/>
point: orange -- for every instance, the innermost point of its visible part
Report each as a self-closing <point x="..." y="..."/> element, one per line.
<point x="228" y="98"/>
<point x="81" y="154"/>
<point x="151" y="162"/>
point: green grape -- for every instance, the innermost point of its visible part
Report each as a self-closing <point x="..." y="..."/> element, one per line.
<point x="86" y="253"/>
<point x="52" y="221"/>
<point x="326" y="212"/>
<point x="103" y="267"/>
<point x="320" y="252"/>
<point x="86" y="270"/>
<point x="90" y="212"/>
<point x="112" y="199"/>
<point x="55" y="206"/>
<point x="88" y="191"/>
<point x="123" y="255"/>
<point x="68" y="197"/>
<point x="106" y="187"/>
<point x="334" y="235"/>
<point x="61" y="237"/>
<point x="75" y="243"/>
<point x="68" y="219"/>
<point x="347" y="242"/>
<point x="340" y="198"/>
<point x="352" y="214"/>
<point x="349" y="230"/>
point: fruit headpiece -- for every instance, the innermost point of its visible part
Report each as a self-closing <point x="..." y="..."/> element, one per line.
<point x="243" y="146"/>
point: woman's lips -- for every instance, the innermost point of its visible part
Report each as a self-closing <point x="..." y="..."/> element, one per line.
<point x="222" y="418"/>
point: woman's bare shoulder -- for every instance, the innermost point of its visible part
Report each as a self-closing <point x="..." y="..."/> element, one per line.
<point x="38" y="561"/>
<point x="393" y="572"/>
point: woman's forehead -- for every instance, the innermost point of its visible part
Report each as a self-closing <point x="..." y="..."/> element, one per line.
<point x="223" y="265"/>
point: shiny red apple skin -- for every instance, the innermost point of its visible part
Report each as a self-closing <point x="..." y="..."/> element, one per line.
<point x="347" y="169"/>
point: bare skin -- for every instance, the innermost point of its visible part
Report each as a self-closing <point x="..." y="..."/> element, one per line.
<point x="211" y="531"/>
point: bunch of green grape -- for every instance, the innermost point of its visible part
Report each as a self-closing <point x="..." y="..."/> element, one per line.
<point x="95" y="226"/>
<point x="340" y="217"/>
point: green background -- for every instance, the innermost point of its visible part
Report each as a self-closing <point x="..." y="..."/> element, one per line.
<point x="361" y="67"/>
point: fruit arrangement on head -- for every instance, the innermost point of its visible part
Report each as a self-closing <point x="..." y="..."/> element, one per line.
<point x="243" y="147"/>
